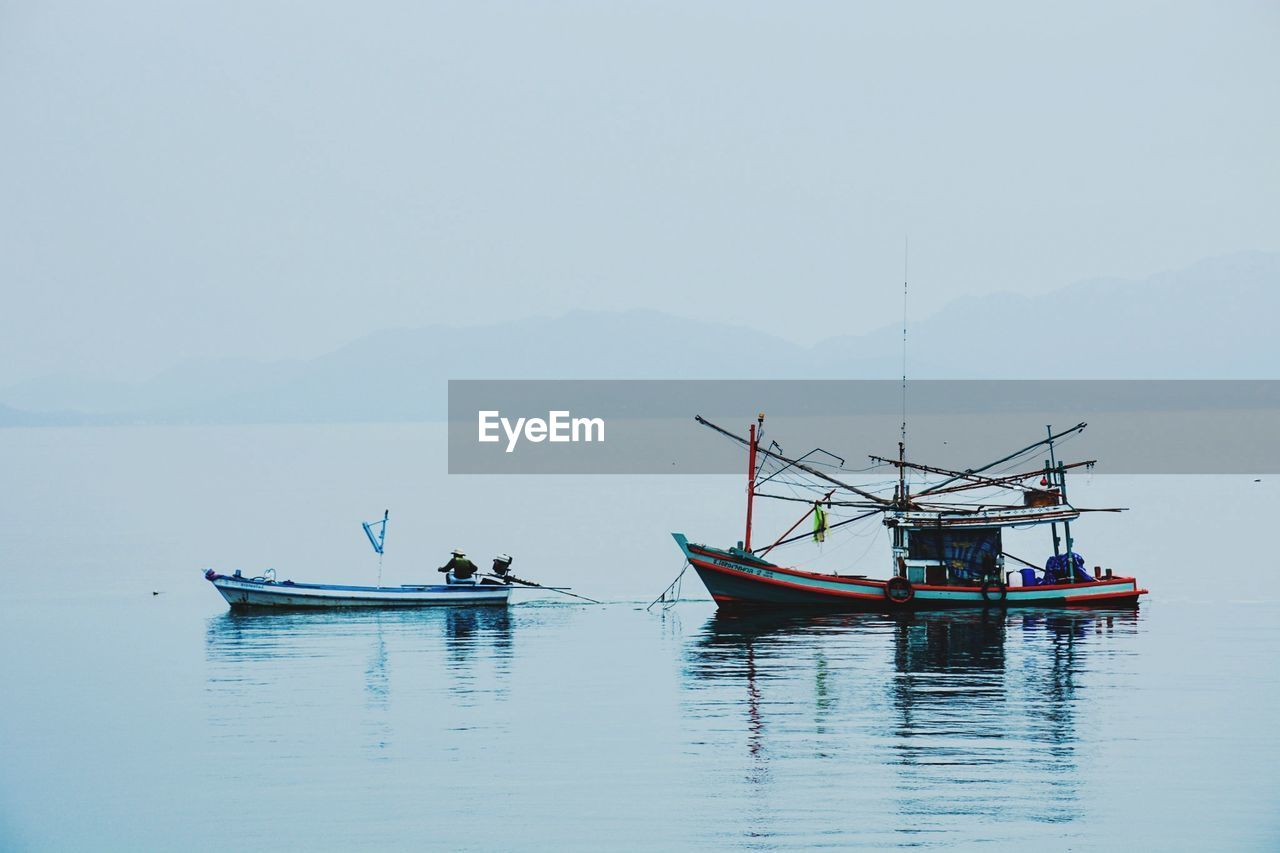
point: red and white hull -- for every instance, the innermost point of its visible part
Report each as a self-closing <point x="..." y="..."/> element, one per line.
<point x="738" y="579"/>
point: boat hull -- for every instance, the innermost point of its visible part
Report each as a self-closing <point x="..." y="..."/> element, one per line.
<point x="736" y="579"/>
<point x="247" y="593"/>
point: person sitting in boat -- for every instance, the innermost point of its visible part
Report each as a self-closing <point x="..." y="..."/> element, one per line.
<point x="459" y="569"/>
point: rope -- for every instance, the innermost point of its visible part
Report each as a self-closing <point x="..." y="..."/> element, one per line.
<point x="671" y="586"/>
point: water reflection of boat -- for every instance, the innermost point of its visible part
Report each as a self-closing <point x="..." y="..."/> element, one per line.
<point x="947" y="552"/>
<point x="234" y="635"/>
<point x="944" y="702"/>
<point x="978" y="716"/>
<point x="247" y="652"/>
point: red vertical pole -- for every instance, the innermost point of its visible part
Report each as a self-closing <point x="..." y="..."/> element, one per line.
<point x="751" y="487"/>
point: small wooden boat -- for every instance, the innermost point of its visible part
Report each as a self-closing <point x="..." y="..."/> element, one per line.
<point x="944" y="554"/>
<point x="477" y="588"/>
<point x="243" y="592"/>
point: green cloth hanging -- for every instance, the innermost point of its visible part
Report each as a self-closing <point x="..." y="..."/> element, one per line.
<point x="819" y="523"/>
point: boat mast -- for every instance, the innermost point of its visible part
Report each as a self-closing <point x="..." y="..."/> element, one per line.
<point x="900" y="498"/>
<point x="754" y="442"/>
<point x="1058" y="475"/>
<point x="902" y="440"/>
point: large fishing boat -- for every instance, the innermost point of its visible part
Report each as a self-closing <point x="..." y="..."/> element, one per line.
<point x="945" y="552"/>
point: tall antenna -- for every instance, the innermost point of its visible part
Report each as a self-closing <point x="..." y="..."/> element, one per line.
<point x="902" y="442"/>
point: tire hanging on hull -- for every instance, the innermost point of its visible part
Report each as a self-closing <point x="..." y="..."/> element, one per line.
<point x="898" y="590"/>
<point x="998" y="584"/>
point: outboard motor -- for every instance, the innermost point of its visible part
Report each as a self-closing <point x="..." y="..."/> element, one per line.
<point x="502" y="566"/>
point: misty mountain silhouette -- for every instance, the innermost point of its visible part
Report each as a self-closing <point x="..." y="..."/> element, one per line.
<point x="1213" y="319"/>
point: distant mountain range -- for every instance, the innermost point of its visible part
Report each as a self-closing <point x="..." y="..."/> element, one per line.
<point x="1215" y="319"/>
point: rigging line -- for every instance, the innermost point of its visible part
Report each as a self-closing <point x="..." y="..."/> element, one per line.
<point x="800" y="521"/>
<point x="868" y="495"/>
<point x="1006" y="482"/>
<point x="814" y="485"/>
<point x="815" y="463"/>
<point x="871" y="543"/>
<point x="859" y="532"/>
<point x="975" y="480"/>
<point x="804" y="500"/>
<point x="796" y="486"/>
<point x="801" y="459"/>
<point x="826" y="553"/>
<point x="1077" y="428"/>
<point x="845" y="540"/>
<point x="849" y="516"/>
<point x="902" y="442"/>
<point x="867" y="514"/>
<point x="670" y="586"/>
<point x="810" y="485"/>
<point x="906" y="244"/>
<point x="1005" y="467"/>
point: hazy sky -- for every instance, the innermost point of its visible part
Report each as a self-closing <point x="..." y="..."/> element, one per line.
<point x="269" y="180"/>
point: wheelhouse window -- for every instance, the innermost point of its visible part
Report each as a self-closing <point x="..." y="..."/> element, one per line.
<point x="960" y="556"/>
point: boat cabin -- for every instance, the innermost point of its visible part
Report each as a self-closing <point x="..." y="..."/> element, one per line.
<point x="939" y="548"/>
<point x="946" y="557"/>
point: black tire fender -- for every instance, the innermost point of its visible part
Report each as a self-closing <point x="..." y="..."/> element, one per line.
<point x="898" y="590"/>
<point x="988" y="584"/>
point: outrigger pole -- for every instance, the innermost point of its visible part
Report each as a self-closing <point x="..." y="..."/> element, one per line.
<point x="1009" y="481"/>
<point x="874" y="498"/>
<point x="936" y="486"/>
<point x="976" y="481"/>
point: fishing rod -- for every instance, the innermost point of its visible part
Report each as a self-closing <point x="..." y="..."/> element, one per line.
<point x="563" y="590"/>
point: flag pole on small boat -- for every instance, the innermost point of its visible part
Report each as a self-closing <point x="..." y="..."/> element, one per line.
<point x="377" y="541"/>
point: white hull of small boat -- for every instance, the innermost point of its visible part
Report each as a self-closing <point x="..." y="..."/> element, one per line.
<point x="252" y="592"/>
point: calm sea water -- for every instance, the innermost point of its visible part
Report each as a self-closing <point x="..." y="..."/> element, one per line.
<point x="138" y="713"/>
